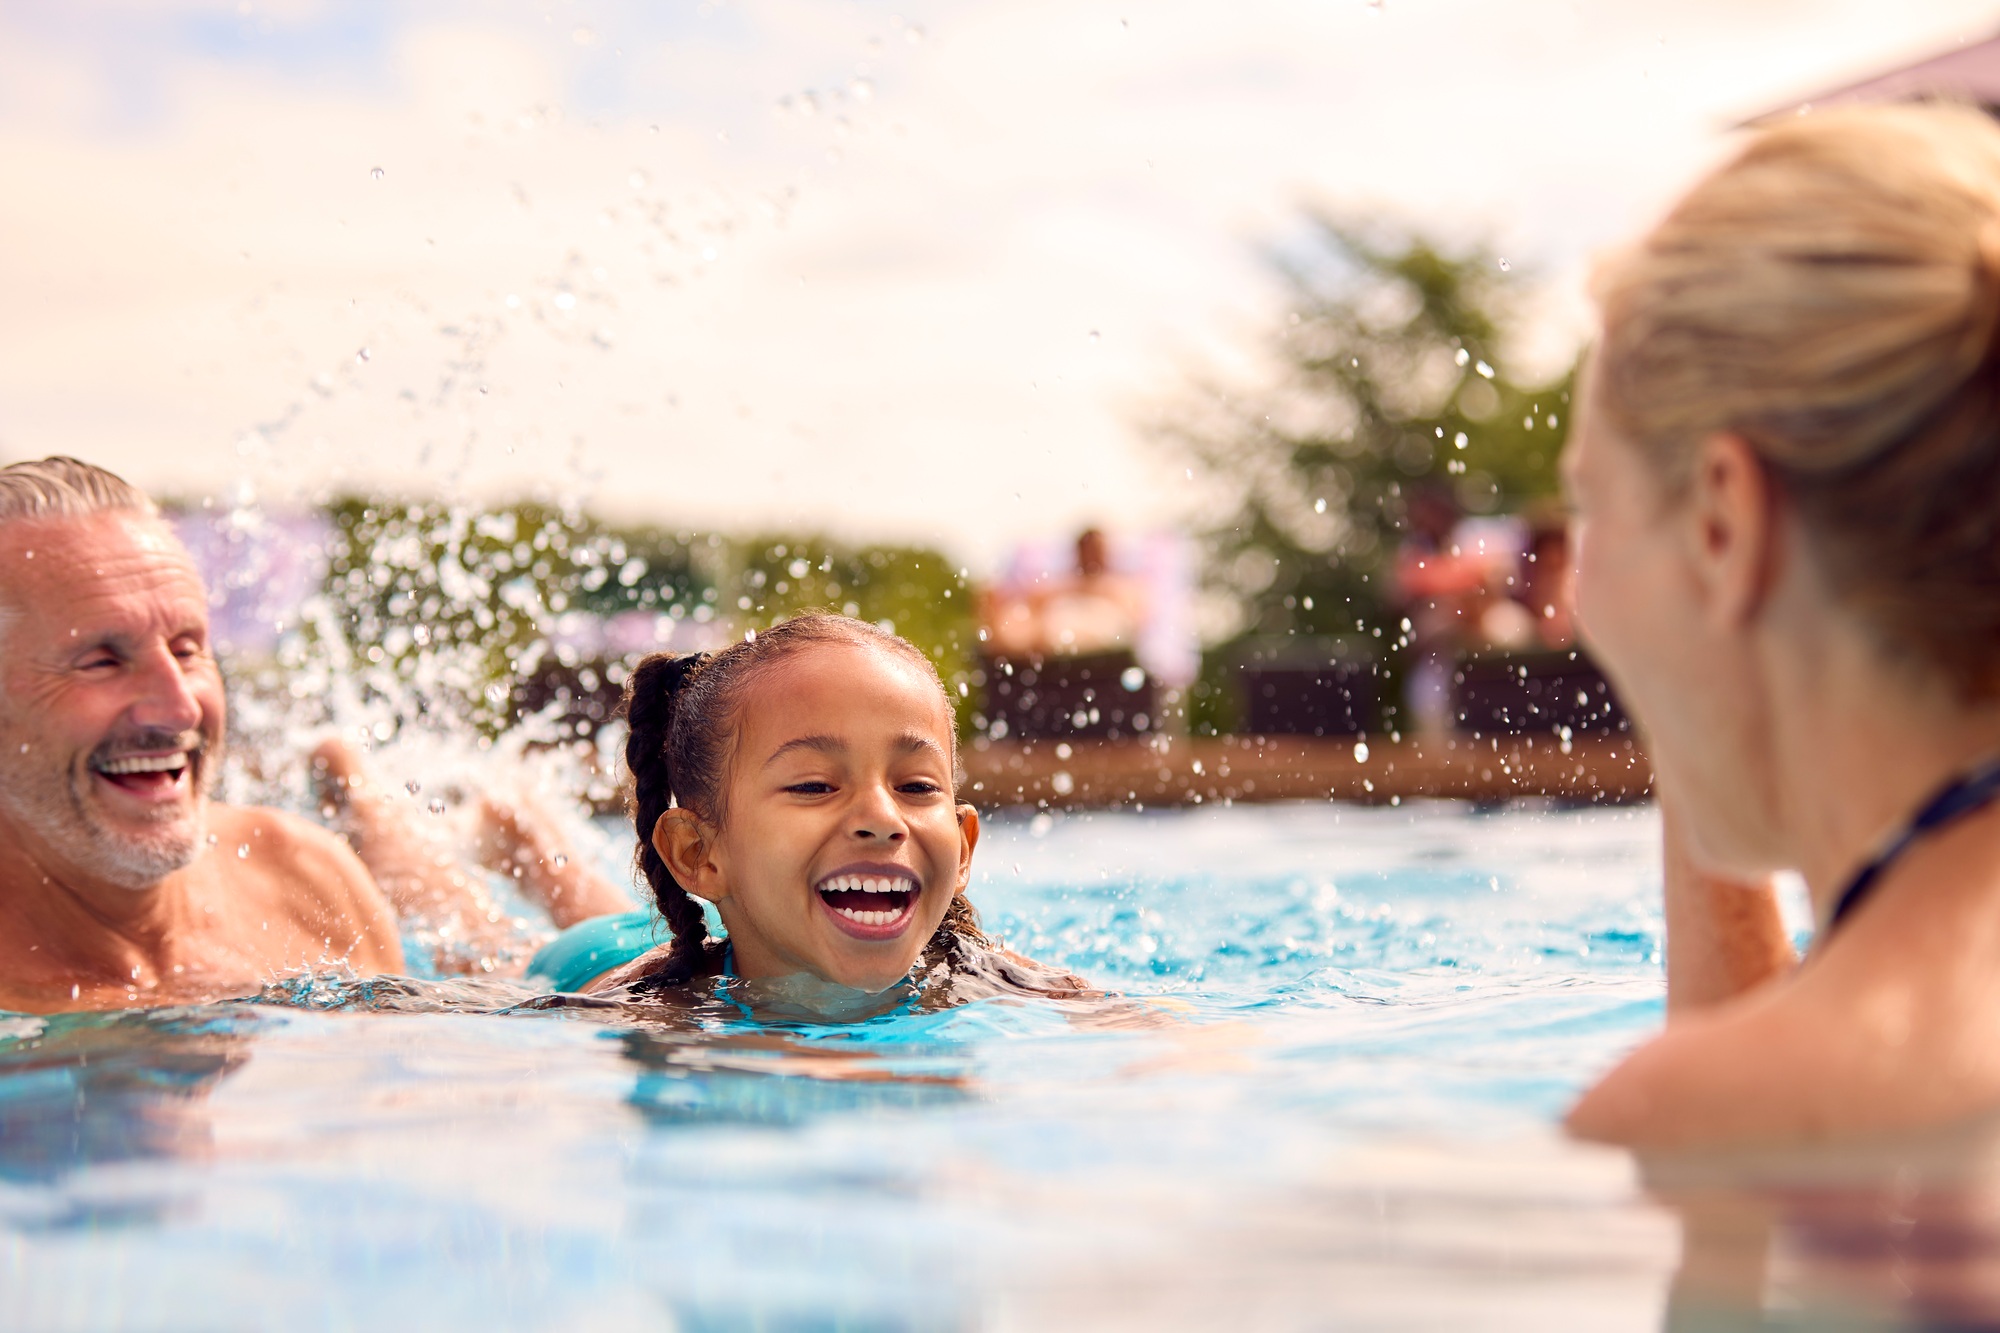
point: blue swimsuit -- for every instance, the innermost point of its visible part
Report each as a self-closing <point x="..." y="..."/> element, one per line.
<point x="589" y="949"/>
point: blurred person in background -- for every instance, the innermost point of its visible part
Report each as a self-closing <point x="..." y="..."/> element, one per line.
<point x="1456" y="580"/>
<point x="1787" y="486"/>
<point x="1097" y="609"/>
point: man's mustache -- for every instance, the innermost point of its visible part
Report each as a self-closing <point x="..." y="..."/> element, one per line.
<point x="149" y="741"/>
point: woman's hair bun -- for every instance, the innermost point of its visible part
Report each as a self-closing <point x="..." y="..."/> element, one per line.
<point x="1832" y="296"/>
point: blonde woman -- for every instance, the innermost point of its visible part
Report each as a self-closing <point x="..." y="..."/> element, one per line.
<point x="1787" y="481"/>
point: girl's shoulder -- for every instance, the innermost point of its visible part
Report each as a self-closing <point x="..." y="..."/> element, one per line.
<point x="625" y="974"/>
<point x="581" y="957"/>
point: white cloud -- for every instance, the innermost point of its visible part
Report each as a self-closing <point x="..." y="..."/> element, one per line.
<point x="871" y="311"/>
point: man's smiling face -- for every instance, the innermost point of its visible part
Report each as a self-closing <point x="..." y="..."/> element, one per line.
<point x="111" y="706"/>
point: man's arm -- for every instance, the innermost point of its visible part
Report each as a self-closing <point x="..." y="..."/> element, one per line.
<point x="332" y="897"/>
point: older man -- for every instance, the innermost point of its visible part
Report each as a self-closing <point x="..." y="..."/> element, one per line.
<point x="121" y="881"/>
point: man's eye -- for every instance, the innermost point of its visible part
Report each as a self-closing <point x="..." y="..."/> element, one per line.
<point x="98" y="660"/>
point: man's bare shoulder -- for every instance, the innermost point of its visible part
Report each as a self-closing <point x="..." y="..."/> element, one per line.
<point x="317" y="878"/>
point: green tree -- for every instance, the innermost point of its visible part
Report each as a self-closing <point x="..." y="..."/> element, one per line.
<point x="915" y="591"/>
<point x="1393" y="380"/>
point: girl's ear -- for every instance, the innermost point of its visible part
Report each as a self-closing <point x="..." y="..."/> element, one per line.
<point x="968" y="839"/>
<point x="683" y="842"/>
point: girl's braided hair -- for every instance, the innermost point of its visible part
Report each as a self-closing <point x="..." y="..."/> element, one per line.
<point x="683" y="715"/>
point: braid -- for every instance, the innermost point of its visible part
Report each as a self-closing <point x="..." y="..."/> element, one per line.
<point x="958" y="937"/>
<point x="650" y="698"/>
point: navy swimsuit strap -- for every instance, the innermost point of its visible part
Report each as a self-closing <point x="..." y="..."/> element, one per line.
<point x="1963" y="796"/>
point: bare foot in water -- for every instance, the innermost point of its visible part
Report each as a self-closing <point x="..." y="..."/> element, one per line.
<point x="518" y="838"/>
<point x="414" y="862"/>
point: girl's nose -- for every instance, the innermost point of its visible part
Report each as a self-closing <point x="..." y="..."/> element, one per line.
<point x="877" y="816"/>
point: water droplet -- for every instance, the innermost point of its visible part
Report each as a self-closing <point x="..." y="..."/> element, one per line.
<point x="413" y="786"/>
<point x="637" y="180"/>
<point x="436" y="805"/>
<point x="1319" y="505"/>
<point x="861" y="90"/>
<point x="1485" y="370"/>
<point x="1361" y="752"/>
<point x="243" y="851"/>
<point x="1095" y="336"/>
<point x="1460" y="440"/>
<point x="561" y="860"/>
<point x="1462" y="357"/>
<point x="362" y="355"/>
<point x="1505" y="266"/>
<point x="565" y="300"/>
<point x="1132" y="678"/>
<point x="212" y="840"/>
<point x="377" y="173"/>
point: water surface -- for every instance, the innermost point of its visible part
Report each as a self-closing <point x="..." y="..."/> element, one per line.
<point x="1364" y="1025"/>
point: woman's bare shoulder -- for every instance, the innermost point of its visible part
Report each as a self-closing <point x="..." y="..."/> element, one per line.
<point x="1746" y="1073"/>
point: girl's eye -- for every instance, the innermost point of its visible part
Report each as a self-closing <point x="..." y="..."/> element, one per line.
<point x="920" y="789"/>
<point x="810" y="788"/>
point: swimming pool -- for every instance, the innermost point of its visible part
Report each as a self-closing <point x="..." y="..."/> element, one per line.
<point x="1373" y="1020"/>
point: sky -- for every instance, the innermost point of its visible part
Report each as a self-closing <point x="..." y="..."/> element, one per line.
<point x="921" y="271"/>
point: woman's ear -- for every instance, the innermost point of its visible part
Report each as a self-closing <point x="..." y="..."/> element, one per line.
<point x="1733" y="507"/>
<point x="968" y="839"/>
<point x="683" y="842"/>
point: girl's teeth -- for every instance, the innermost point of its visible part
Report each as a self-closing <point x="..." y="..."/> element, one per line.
<point x="866" y="884"/>
<point x="868" y="918"/>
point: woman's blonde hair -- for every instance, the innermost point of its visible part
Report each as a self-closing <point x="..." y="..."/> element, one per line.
<point x="1832" y="295"/>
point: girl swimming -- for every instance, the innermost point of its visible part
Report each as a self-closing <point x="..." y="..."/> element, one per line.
<point x="802" y="784"/>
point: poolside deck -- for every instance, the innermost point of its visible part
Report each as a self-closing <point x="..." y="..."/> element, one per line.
<point x="1100" y="774"/>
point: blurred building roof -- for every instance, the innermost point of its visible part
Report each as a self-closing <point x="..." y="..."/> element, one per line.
<point x="1967" y="74"/>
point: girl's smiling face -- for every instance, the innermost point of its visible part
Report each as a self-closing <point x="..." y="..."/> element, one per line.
<point x="840" y="842"/>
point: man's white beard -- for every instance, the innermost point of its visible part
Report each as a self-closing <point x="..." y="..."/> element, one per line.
<point x="51" y="807"/>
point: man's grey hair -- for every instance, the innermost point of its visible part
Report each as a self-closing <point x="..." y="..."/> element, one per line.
<point x="61" y="487"/>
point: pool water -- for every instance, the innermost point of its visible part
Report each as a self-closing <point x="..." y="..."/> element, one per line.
<point x="1339" y="1111"/>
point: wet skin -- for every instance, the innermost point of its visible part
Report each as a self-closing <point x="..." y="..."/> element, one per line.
<point x="120" y="881"/>
<point x="839" y="785"/>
